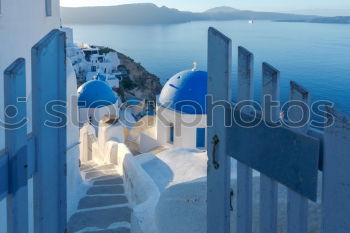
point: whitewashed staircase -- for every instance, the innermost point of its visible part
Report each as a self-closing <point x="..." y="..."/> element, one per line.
<point x="105" y="208"/>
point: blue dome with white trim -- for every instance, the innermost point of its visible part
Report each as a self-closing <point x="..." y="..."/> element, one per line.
<point x="185" y="92"/>
<point x="96" y="94"/>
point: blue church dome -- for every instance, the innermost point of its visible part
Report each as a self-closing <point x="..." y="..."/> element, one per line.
<point x="185" y="92"/>
<point x="95" y="94"/>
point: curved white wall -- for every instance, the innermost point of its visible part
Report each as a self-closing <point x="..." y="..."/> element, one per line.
<point x="73" y="171"/>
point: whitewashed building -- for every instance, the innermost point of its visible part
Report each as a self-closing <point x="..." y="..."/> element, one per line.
<point x="181" y="113"/>
<point x="89" y="64"/>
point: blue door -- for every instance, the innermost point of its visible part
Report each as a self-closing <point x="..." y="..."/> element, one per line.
<point x="171" y="134"/>
<point x="200" y="138"/>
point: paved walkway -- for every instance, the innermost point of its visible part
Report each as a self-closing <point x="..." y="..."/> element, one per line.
<point x="105" y="208"/>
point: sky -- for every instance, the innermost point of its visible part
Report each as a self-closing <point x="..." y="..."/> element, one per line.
<point x="321" y="7"/>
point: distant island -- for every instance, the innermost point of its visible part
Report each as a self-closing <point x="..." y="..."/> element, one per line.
<point x="332" y="20"/>
<point x="148" y="13"/>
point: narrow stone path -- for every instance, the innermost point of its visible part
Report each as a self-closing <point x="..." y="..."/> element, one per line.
<point x="105" y="208"/>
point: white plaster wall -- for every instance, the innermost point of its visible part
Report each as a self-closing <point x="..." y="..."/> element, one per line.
<point x="22" y="24"/>
<point x="148" y="141"/>
<point x="83" y="115"/>
<point x="74" y="180"/>
<point x="97" y="114"/>
<point x="69" y="36"/>
<point x="112" y="81"/>
<point x="111" y="133"/>
<point x="86" y="131"/>
<point x="185" y="126"/>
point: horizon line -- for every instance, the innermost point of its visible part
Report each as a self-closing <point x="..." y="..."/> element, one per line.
<point x="291" y="11"/>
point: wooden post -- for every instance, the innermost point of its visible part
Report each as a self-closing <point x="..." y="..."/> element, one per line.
<point x="15" y="143"/>
<point x="219" y="87"/>
<point x="298" y="205"/>
<point x="336" y="175"/>
<point x="49" y="84"/>
<point x="269" y="188"/>
<point x="244" y="173"/>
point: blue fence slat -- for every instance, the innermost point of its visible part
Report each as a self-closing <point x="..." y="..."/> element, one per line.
<point x="3" y="175"/>
<point x="269" y="188"/>
<point x="219" y="166"/>
<point x="49" y="130"/>
<point x="245" y="89"/>
<point x="15" y="143"/>
<point x="18" y="175"/>
<point x="31" y="155"/>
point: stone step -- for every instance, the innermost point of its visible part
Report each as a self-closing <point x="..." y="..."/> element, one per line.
<point x="100" y="219"/>
<point x="97" y="174"/>
<point x="101" y="167"/>
<point x="110" y="189"/>
<point x="118" y="230"/>
<point x="112" y="181"/>
<point x="106" y="177"/>
<point x="87" y="165"/>
<point x="101" y="201"/>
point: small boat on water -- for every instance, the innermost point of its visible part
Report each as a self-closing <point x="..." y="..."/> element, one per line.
<point x="250" y="21"/>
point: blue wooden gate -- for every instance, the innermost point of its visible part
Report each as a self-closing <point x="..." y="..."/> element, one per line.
<point x="283" y="155"/>
<point x="41" y="154"/>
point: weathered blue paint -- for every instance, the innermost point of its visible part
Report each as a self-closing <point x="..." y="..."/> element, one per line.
<point x="49" y="84"/>
<point x="219" y="166"/>
<point x="297" y="207"/>
<point x="268" y="187"/>
<point x="200" y="137"/>
<point x="316" y="133"/>
<point x="18" y="174"/>
<point x="31" y="152"/>
<point x="245" y="173"/>
<point x="15" y="144"/>
<point x="3" y="175"/>
<point x="185" y="92"/>
<point x="289" y="157"/>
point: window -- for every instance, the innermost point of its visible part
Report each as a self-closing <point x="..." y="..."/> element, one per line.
<point x="200" y="138"/>
<point x="48" y="7"/>
<point x="171" y="134"/>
